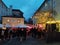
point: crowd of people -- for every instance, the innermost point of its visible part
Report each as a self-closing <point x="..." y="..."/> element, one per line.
<point x="38" y="33"/>
<point x="21" y="33"/>
<point x="8" y="34"/>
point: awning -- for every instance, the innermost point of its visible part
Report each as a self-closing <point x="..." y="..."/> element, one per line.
<point x="51" y="22"/>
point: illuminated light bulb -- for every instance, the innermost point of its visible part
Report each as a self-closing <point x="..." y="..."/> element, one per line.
<point x="18" y="21"/>
<point x="8" y="20"/>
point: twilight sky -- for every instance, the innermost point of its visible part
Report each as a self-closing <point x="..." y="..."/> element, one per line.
<point x="28" y="7"/>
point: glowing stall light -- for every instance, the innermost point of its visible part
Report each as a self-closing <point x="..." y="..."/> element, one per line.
<point x="40" y="26"/>
<point x="51" y="22"/>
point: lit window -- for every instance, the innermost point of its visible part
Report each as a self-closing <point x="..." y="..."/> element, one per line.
<point x="18" y="21"/>
<point x="45" y="4"/>
<point x="8" y="20"/>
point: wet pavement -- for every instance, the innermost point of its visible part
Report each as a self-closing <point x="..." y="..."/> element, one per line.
<point x="28" y="41"/>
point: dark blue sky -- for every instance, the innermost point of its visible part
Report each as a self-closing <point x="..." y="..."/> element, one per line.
<point x="28" y="7"/>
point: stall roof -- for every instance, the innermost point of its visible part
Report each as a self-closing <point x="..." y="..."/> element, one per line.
<point x="51" y="22"/>
<point x="22" y="26"/>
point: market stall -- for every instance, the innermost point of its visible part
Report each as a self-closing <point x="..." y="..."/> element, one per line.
<point x="53" y="33"/>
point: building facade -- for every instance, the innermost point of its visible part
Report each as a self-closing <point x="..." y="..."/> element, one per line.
<point x="57" y="9"/>
<point x="45" y="9"/>
<point x="44" y="13"/>
<point x="10" y="16"/>
<point x="4" y="10"/>
<point x="12" y="21"/>
<point x="49" y="5"/>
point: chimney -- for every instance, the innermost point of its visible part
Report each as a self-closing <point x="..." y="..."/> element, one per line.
<point x="10" y="10"/>
<point x="10" y="6"/>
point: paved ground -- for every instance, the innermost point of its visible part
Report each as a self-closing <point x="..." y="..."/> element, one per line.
<point x="29" y="41"/>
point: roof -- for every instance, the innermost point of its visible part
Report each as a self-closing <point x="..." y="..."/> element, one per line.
<point x="17" y="10"/>
<point x="4" y="4"/>
<point x="13" y="16"/>
<point x="39" y="8"/>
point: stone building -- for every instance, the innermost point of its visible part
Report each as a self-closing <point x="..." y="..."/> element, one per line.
<point x="14" y="20"/>
<point x="10" y="16"/>
<point x="4" y="10"/>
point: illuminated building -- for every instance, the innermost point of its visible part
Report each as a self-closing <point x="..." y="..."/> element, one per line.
<point x="10" y="16"/>
<point x="44" y="10"/>
<point x="57" y="9"/>
<point x="49" y="13"/>
<point x="44" y="13"/>
<point x="15" y="19"/>
<point x="4" y="10"/>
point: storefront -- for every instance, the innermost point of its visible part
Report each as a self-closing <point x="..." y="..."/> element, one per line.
<point x="53" y="26"/>
<point x="53" y="31"/>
